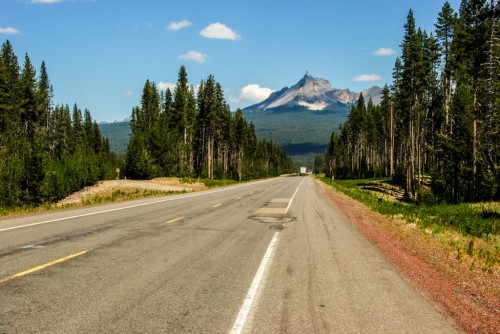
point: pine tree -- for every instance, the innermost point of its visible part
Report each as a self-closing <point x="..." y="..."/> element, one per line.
<point x="445" y="27"/>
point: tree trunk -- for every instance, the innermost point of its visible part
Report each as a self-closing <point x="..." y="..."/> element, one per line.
<point x="391" y="166"/>
<point x="474" y="140"/>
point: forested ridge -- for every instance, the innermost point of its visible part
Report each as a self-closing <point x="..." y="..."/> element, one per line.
<point x="438" y="123"/>
<point x="188" y="134"/>
<point x="46" y="152"/>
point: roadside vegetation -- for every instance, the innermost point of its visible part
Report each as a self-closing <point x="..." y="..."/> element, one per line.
<point x="183" y="134"/>
<point x="438" y="124"/>
<point x="94" y="195"/>
<point x="46" y="152"/>
<point x="433" y="142"/>
<point x="470" y="229"/>
<point x="49" y="152"/>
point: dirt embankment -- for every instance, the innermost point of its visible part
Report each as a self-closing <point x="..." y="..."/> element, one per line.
<point x="470" y="297"/>
<point x="105" y="188"/>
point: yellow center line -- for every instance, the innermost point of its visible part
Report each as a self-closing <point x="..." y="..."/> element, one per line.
<point x="43" y="266"/>
<point x="216" y="205"/>
<point x="173" y="220"/>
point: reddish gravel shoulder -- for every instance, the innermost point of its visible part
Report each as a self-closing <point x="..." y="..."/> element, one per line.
<point x="469" y="297"/>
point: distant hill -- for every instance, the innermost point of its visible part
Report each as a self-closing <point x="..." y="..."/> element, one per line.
<point x="118" y="134"/>
<point x="301" y="118"/>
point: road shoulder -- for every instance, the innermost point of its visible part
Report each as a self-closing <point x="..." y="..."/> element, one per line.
<point x="420" y="260"/>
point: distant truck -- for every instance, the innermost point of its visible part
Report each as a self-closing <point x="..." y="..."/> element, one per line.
<point x="303" y="171"/>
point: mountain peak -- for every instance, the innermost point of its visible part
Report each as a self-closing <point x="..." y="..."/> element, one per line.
<point x="312" y="94"/>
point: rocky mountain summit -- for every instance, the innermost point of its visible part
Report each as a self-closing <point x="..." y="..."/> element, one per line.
<point x="316" y="94"/>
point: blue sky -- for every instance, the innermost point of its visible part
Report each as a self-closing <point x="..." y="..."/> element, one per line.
<point x="99" y="53"/>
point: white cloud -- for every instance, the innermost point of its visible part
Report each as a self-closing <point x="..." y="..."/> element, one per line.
<point x="9" y="31"/>
<point x="179" y="25"/>
<point x="219" y="31"/>
<point x="128" y="93"/>
<point x="384" y="52"/>
<point x="194" y="56"/>
<point x="252" y="93"/>
<point x="164" y="85"/>
<point x="367" y="77"/>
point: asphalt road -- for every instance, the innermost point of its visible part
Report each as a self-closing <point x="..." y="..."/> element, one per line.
<point x="238" y="259"/>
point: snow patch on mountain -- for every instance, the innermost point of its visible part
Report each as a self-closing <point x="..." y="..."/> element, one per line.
<point x="314" y="94"/>
<point x="320" y="105"/>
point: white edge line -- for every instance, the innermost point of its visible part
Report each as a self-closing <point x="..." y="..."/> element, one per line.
<point x="293" y="197"/>
<point x="241" y="319"/>
<point x="129" y="207"/>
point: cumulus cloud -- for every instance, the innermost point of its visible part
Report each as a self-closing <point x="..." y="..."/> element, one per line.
<point x="194" y="56"/>
<point x="219" y="31"/>
<point x="384" y="52"/>
<point x="179" y="25"/>
<point x="9" y="31"/>
<point x="252" y="93"/>
<point x="164" y="85"/>
<point x="367" y="77"/>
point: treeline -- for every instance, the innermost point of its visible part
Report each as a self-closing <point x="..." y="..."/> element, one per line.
<point x="439" y="121"/>
<point x="46" y="153"/>
<point x="185" y="134"/>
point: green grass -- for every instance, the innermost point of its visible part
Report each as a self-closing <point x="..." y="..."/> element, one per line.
<point x="24" y="210"/>
<point x="469" y="229"/>
<point x="478" y="220"/>
<point x="478" y="224"/>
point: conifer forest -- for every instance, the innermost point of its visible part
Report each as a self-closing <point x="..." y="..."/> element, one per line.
<point x="48" y="152"/>
<point x="438" y="125"/>
<point x="188" y="134"/>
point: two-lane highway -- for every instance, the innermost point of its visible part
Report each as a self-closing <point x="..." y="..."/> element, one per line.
<point x="238" y="259"/>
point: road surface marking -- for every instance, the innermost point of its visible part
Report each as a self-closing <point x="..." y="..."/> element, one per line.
<point x="271" y="211"/>
<point x="173" y="220"/>
<point x="280" y="200"/>
<point x="293" y="197"/>
<point x="216" y="205"/>
<point x="130" y="207"/>
<point x="239" y="323"/>
<point x="43" y="266"/>
<point x="32" y="246"/>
